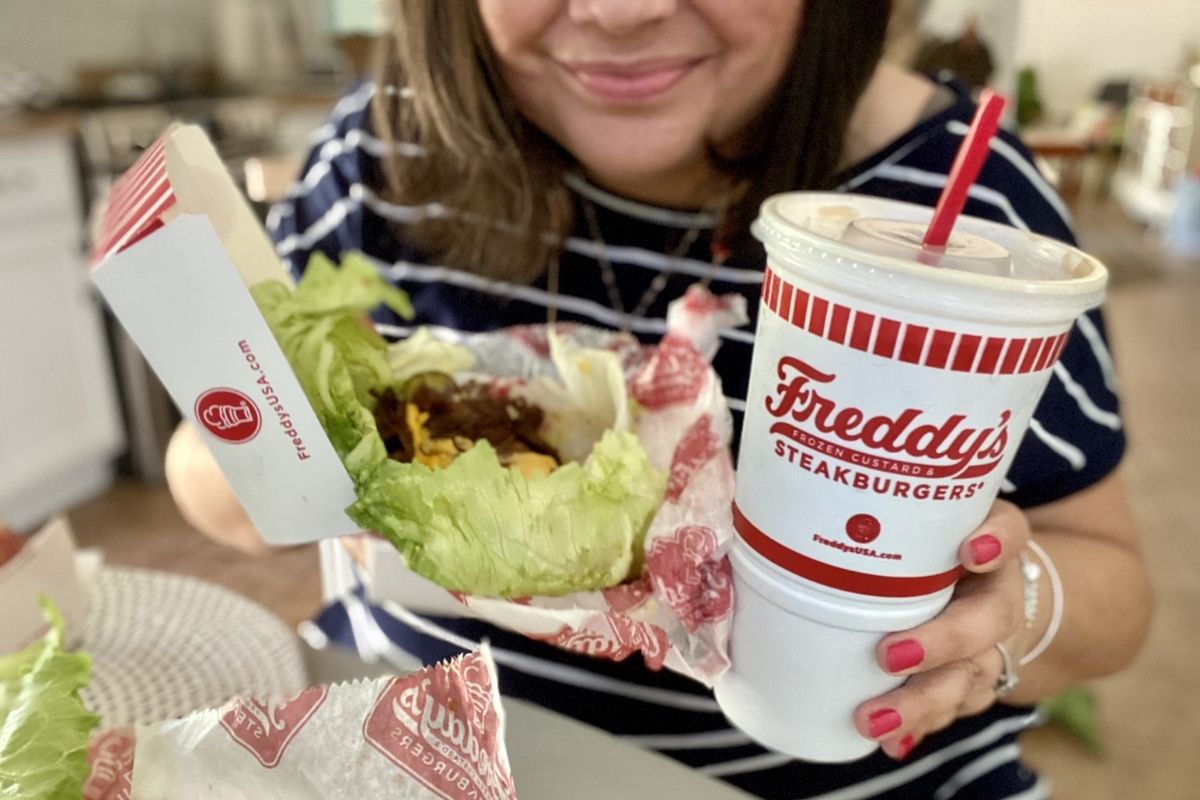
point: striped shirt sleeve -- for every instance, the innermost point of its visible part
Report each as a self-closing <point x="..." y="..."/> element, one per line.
<point x="1076" y="436"/>
<point x="323" y="210"/>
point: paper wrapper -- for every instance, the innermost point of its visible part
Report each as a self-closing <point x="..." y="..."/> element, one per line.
<point x="435" y="734"/>
<point x="677" y="614"/>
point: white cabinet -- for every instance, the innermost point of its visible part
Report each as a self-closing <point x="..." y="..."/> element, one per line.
<point x="60" y="426"/>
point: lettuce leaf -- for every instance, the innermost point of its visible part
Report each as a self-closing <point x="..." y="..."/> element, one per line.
<point x="475" y="526"/>
<point x="423" y="353"/>
<point x="1074" y="709"/>
<point x="44" y="727"/>
<point x="587" y="398"/>
<point x="323" y="329"/>
<point x="478" y="527"/>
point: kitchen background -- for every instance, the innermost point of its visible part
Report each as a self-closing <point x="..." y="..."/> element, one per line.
<point x="1107" y="93"/>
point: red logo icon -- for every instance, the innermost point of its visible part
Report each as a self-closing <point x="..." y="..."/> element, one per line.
<point x="863" y="528"/>
<point x="266" y="729"/>
<point x="228" y="414"/>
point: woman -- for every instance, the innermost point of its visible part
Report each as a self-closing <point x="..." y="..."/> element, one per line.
<point x="588" y="160"/>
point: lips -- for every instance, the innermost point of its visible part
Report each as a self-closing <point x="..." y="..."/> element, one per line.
<point x="630" y="82"/>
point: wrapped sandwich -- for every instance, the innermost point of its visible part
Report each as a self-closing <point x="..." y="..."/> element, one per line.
<point x="493" y="486"/>
<point x="601" y="526"/>
<point x="561" y="481"/>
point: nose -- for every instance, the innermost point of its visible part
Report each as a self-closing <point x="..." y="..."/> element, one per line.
<point x="620" y="16"/>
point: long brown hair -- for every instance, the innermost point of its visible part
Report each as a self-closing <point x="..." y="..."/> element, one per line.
<point x="501" y="175"/>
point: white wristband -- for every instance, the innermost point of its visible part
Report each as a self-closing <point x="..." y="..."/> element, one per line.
<point x="1056" y="606"/>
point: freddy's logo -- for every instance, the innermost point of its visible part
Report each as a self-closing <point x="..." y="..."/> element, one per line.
<point x="110" y="765"/>
<point x="905" y="443"/>
<point x="228" y="414"/>
<point x="266" y="729"/>
<point x="443" y="728"/>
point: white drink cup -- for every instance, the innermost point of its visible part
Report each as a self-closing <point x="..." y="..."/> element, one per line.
<point x="889" y="390"/>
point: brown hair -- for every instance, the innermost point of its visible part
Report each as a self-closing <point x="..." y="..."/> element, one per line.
<point x="502" y="176"/>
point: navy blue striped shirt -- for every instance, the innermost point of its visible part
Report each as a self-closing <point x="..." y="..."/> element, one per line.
<point x="1076" y="437"/>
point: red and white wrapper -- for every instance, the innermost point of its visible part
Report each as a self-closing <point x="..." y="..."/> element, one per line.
<point x="677" y="613"/>
<point x="437" y="734"/>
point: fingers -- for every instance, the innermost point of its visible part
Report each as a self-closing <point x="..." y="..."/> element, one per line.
<point x="930" y="701"/>
<point x="203" y="495"/>
<point x="951" y="662"/>
<point x="997" y="541"/>
<point x="358" y="546"/>
<point x="986" y="609"/>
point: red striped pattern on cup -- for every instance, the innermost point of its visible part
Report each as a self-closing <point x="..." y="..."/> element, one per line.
<point x="136" y="204"/>
<point x="914" y="344"/>
<point x="846" y="580"/>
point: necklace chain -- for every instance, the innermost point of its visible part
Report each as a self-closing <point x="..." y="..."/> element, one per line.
<point x="609" y="277"/>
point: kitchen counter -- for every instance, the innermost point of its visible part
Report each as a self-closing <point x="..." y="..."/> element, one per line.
<point x="29" y="123"/>
<point x="68" y="115"/>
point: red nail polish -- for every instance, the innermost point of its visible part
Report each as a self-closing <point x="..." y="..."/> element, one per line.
<point x="984" y="548"/>
<point x="906" y="746"/>
<point x="883" y="722"/>
<point x="904" y="655"/>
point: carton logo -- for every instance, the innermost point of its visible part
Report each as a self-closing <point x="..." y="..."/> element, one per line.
<point x="266" y="729"/>
<point x="228" y="414"/>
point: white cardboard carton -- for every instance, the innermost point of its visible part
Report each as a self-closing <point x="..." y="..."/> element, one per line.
<point x="47" y="565"/>
<point x="177" y="249"/>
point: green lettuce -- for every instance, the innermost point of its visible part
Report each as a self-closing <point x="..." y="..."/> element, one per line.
<point x="423" y="353"/>
<point x="1074" y="709"/>
<point x="585" y="399"/>
<point x="478" y="527"/>
<point x="475" y="526"/>
<point x="339" y="359"/>
<point x="44" y="727"/>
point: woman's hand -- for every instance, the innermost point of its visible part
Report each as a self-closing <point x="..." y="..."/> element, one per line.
<point x="951" y="661"/>
<point x="357" y="546"/>
<point x="204" y="498"/>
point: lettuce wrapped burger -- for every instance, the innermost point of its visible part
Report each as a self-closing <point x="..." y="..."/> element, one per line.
<point x="489" y="486"/>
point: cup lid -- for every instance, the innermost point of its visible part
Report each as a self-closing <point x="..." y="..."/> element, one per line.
<point x="988" y="256"/>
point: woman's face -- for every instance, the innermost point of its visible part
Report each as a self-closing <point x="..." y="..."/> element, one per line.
<point x="636" y="90"/>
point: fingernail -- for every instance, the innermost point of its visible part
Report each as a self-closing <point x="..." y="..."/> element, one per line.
<point x="883" y="722"/>
<point x="904" y="655"/>
<point x="905" y="747"/>
<point x="984" y="548"/>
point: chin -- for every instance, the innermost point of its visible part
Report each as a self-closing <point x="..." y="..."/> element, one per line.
<point x="632" y="161"/>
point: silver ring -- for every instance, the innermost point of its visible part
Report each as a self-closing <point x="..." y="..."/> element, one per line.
<point x="1007" y="680"/>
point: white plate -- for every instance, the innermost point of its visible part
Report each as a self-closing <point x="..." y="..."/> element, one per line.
<point x="164" y="645"/>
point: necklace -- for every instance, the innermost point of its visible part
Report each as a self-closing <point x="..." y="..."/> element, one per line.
<point x="718" y="254"/>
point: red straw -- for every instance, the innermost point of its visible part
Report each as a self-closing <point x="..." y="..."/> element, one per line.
<point x="971" y="155"/>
